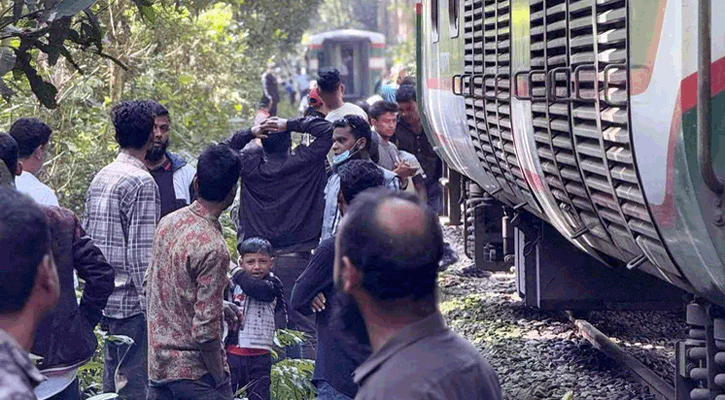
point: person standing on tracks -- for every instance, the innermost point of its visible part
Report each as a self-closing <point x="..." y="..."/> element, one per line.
<point x="339" y="352"/>
<point x="185" y="282"/>
<point x="64" y="338"/>
<point x="171" y="173"/>
<point x="282" y="199"/>
<point x="271" y="88"/>
<point x="387" y="253"/>
<point x="29" y="289"/>
<point x="122" y="209"/>
<point x="33" y="138"/>
<point x="352" y="140"/>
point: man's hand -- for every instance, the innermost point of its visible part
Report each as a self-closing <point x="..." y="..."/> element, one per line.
<point x="404" y="170"/>
<point x="275" y="124"/>
<point x="259" y="132"/>
<point x="318" y="303"/>
<point x="232" y="315"/>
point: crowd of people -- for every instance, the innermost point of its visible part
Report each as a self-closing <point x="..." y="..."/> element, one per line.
<point x="338" y="238"/>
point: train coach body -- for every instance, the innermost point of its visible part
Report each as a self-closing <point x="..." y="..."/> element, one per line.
<point x="583" y="113"/>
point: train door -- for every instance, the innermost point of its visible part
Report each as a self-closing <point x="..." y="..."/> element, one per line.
<point x="349" y="58"/>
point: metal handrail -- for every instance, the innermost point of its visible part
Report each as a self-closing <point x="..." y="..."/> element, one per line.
<point x="704" y="100"/>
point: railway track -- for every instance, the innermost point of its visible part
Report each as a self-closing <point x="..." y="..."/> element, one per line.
<point x="553" y="355"/>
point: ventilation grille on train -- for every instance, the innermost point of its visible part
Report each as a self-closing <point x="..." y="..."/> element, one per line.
<point x="582" y="130"/>
<point x="487" y="37"/>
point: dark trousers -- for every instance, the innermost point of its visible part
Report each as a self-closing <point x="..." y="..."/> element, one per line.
<point x="434" y="190"/>
<point x="288" y="268"/>
<point x="253" y="372"/>
<point x="185" y="389"/>
<point x="125" y="371"/>
<point x="72" y="392"/>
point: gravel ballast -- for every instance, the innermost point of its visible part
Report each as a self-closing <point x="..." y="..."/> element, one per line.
<point x="538" y="354"/>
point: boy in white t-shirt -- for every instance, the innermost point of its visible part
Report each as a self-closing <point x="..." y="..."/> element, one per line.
<point x="260" y="297"/>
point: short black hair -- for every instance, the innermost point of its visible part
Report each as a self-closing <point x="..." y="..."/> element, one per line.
<point x="381" y="107"/>
<point x="217" y="171"/>
<point x="364" y="105"/>
<point x="408" y="80"/>
<point x="405" y="93"/>
<point x="264" y="101"/>
<point x="357" y="176"/>
<point x="9" y="152"/>
<point x="359" y="127"/>
<point x="30" y="133"/>
<point x="24" y="241"/>
<point x="133" y="122"/>
<point x="159" y="110"/>
<point x="277" y="143"/>
<point x="313" y="112"/>
<point x="393" y="266"/>
<point x="328" y="80"/>
<point x="255" y="245"/>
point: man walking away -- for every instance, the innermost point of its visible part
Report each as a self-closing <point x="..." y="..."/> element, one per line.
<point x="171" y="173"/>
<point x="387" y="255"/>
<point x="331" y="90"/>
<point x="121" y="212"/>
<point x="28" y="289"/>
<point x="33" y="137"/>
<point x="352" y="140"/>
<point x="185" y="284"/>
<point x="282" y="199"/>
<point x="271" y="88"/>
<point x="339" y="351"/>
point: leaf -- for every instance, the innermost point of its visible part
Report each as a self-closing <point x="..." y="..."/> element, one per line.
<point x="7" y="93"/>
<point x="104" y="396"/>
<point x="185" y="79"/>
<point x="149" y="13"/>
<point x="69" y="8"/>
<point x="7" y="60"/>
<point x="58" y="32"/>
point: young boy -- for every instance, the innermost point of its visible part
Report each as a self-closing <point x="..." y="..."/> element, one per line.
<point x="260" y="297"/>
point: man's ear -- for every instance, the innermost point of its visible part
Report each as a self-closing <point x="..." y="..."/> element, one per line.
<point x="351" y="276"/>
<point x="46" y="281"/>
<point x="195" y="184"/>
<point x="19" y="169"/>
<point x="342" y="89"/>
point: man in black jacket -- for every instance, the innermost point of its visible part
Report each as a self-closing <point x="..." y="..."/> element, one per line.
<point x="64" y="338"/>
<point x="339" y="351"/>
<point x="283" y="200"/>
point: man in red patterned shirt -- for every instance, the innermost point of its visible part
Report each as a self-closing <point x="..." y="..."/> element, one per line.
<point x="185" y="287"/>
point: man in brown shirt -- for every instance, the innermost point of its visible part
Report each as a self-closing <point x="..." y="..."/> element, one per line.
<point x="387" y="253"/>
<point x="185" y="288"/>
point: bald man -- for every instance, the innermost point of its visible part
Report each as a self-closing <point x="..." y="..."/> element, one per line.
<point x="387" y="253"/>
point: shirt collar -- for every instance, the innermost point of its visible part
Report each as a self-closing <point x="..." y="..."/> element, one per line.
<point x="129" y="159"/>
<point x="199" y="209"/>
<point x="21" y="358"/>
<point x="429" y="326"/>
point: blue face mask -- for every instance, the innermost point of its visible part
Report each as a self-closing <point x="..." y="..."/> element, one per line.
<point x="345" y="155"/>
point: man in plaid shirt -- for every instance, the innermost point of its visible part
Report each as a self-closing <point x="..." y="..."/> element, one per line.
<point x="121" y="212"/>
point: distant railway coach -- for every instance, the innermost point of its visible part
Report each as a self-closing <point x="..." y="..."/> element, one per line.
<point x="358" y="55"/>
<point x="589" y="132"/>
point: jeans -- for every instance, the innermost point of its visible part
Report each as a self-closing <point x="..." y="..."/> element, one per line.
<point x="185" y="389"/>
<point x="434" y="190"/>
<point x="288" y="268"/>
<point x="253" y="372"/>
<point x="125" y="371"/>
<point x="325" y="391"/>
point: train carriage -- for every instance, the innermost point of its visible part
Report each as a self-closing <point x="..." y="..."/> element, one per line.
<point x="589" y="133"/>
<point x="358" y="55"/>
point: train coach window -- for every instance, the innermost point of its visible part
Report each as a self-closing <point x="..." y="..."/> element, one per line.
<point x="434" y="20"/>
<point x="453" y="17"/>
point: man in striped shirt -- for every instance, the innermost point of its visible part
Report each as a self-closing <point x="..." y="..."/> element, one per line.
<point x="121" y="212"/>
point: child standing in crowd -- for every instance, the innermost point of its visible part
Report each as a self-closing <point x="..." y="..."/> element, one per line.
<point x="260" y="296"/>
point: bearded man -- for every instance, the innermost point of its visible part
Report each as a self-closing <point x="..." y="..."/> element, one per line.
<point x="171" y="173"/>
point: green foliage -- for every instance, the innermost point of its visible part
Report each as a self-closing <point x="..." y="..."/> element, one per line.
<point x="292" y="379"/>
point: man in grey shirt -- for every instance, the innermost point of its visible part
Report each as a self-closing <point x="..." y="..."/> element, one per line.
<point x="387" y="253"/>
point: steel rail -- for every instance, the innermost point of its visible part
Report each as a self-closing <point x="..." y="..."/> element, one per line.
<point x="604" y="344"/>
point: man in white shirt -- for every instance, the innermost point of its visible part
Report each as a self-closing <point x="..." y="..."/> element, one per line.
<point x="331" y="91"/>
<point x="33" y="137"/>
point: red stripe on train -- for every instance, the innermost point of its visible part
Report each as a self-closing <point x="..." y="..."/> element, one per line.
<point x="688" y="88"/>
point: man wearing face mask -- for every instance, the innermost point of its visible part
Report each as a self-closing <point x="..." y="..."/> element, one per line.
<point x="351" y="140"/>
